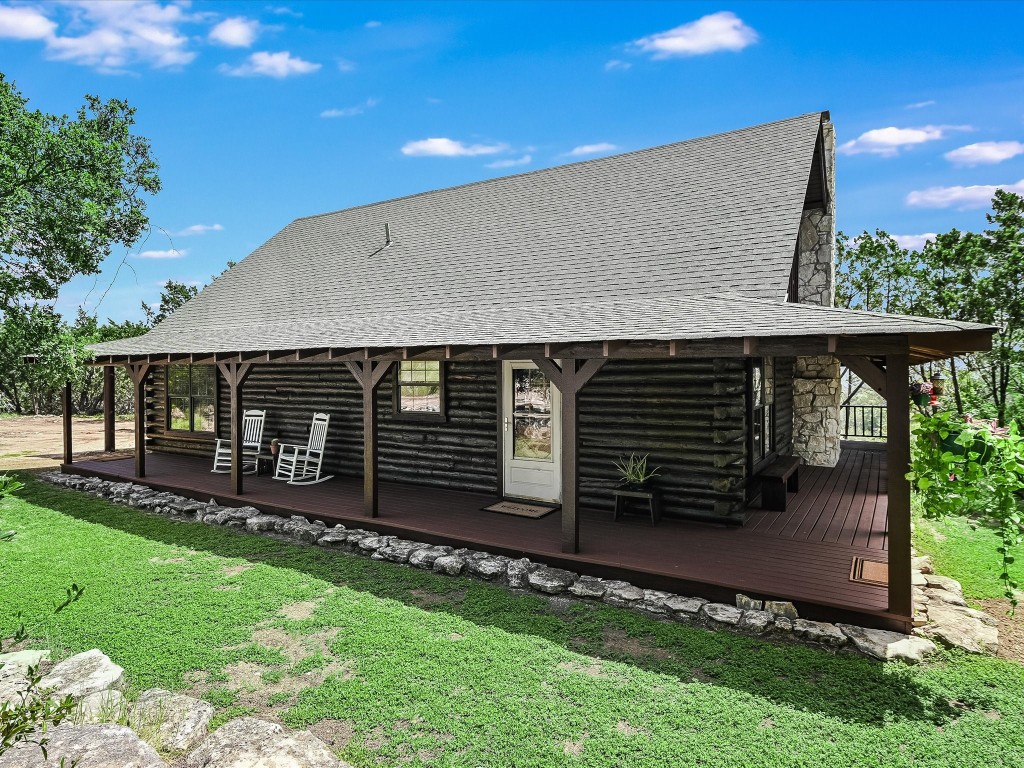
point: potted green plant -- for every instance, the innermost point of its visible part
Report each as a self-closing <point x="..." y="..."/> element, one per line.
<point x="634" y="472"/>
<point x="922" y="393"/>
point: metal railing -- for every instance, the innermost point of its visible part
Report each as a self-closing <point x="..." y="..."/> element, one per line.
<point x="862" y="421"/>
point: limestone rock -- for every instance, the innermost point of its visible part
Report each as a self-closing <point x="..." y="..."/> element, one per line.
<point x="685" y="607"/>
<point x="953" y="628"/>
<point x="11" y="686"/>
<point x="981" y="616"/>
<point x="451" y="565"/>
<point x="783" y="625"/>
<point x="886" y="646"/>
<point x="83" y="674"/>
<point x="945" y="596"/>
<point x="589" y="586"/>
<point x="517" y="573"/>
<point x="654" y="601"/>
<point x="819" y="632"/>
<point x="425" y="558"/>
<point x="92" y="746"/>
<point x="745" y="603"/>
<point x="373" y="543"/>
<point x="923" y="564"/>
<point x="18" y="662"/>
<point x="333" y="538"/>
<point x="102" y="707"/>
<point x="755" y="621"/>
<point x="720" y="613"/>
<point x="622" y="594"/>
<point x="171" y="721"/>
<point x="247" y="742"/>
<point x="781" y="608"/>
<point x="488" y="568"/>
<point x="301" y="529"/>
<point x="943" y="582"/>
<point x="258" y="523"/>
<point x="398" y="550"/>
<point x="551" y="580"/>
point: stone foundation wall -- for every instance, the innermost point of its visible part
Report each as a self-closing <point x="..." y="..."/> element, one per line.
<point x="816" y="387"/>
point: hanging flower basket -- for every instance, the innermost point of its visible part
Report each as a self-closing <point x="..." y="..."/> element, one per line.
<point x="922" y="393"/>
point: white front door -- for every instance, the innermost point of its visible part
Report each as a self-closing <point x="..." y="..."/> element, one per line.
<point x="531" y="429"/>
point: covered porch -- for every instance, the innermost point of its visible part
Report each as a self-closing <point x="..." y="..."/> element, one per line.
<point x="803" y="554"/>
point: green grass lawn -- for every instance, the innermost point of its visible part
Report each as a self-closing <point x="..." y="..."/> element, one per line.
<point x="406" y="667"/>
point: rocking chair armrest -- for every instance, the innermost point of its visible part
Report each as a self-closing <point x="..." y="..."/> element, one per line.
<point x="294" y="447"/>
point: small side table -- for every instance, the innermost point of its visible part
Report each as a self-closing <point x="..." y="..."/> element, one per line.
<point x="265" y="463"/>
<point x="623" y="497"/>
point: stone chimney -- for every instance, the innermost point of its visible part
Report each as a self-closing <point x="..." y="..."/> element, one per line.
<point x="816" y="385"/>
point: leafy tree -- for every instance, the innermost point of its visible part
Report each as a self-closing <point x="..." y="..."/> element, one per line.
<point x="172" y="297"/>
<point x="36" y="329"/>
<point x="874" y="273"/>
<point x="88" y="386"/>
<point x="70" y="189"/>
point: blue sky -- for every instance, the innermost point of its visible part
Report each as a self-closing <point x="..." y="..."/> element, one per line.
<point x="265" y="111"/>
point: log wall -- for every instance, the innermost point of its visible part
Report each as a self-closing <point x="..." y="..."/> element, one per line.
<point x="688" y="415"/>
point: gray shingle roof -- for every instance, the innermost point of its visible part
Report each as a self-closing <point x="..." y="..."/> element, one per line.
<point x="687" y="240"/>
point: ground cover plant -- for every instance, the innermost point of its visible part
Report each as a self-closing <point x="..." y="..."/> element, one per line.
<point x="398" y="666"/>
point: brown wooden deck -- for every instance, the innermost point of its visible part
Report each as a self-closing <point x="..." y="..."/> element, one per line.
<point x="803" y="554"/>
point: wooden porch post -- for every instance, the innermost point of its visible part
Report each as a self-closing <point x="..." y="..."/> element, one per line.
<point x="138" y="373"/>
<point x="369" y="375"/>
<point x="109" y="441"/>
<point x="897" y="381"/>
<point x="66" y="409"/>
<point x="235" y="375"/>
<point x="570" y="377"/>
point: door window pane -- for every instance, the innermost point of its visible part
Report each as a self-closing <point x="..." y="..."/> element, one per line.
<point x="531" y="415"/>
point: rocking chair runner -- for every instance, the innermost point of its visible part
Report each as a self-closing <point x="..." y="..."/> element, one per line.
<point x="300" y="464"/>
<point x="252" y="443"/>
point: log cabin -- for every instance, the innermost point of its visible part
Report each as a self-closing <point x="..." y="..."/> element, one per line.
<point x="511" y="339"/>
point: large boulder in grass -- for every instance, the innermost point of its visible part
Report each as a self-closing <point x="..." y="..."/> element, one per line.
<point x="251" y="743"/>
<point x="82" y="674"/>
<point x="884" y="645"/>
<point x="86" y="746"/>
<point x="551" y="580"/>
<point x="171" y="721"/>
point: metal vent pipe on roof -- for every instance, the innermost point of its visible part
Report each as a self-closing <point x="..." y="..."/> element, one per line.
<point x="387" y="234"/>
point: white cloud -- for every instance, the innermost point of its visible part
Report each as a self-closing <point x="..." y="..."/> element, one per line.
<point x="591" y="149"/>
<point x="171" y="253"/>
<point x="975" y="196"/>
<point x="887" y="142"/>
<point x="280" y="65"/>
<point x="22" y="23"/>
<point x="236" y="32"/>
<point x="199" y="229"/>
<point x="512" y="162"/>
<point x="440" y="147"/>
<point x="985" y="152"/>
<point x="914" y="242"/>
<point x="358" y="109"/>
<point x="722" y="31"/>
<point x="344" y="65"/>
<point x="372" y="24"/>
<point x="118" y="35"/>
<point x="920" y="104"/>
<point x="281" y="10"/>
<point x="616" y="64"/>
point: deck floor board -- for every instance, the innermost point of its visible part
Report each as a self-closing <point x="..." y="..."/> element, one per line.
<point x="802" y="554"/>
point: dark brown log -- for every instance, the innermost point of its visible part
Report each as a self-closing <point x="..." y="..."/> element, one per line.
<point x="138" y="373"/>
<point x="234" y="375"/>
<point x="66" y="400"/>
<point x="897" y="383"/>
<point x="109" y="438"/>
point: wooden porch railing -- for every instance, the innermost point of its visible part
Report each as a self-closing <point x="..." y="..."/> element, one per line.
<point x="863" y="421"/>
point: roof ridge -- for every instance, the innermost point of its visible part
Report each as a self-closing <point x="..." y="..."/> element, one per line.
<point x="823" y="114"/>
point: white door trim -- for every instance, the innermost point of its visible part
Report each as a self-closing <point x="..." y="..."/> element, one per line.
<point x="537" y="479"/>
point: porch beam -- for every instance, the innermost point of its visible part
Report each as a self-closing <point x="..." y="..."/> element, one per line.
<point x="235" y="375"/>
<point x="570" y="378"/>
<point x="870" y="372"/>
<point x="897" y="382"/>
<point x="109" y="436"/>
<point x="369" y="374"/>
<point x="138" y="372"/>
<point x="66" y="409"/>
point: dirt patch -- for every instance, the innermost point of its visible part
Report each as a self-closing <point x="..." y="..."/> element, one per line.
<point x="1011" y="628"/>
<point x="37" y="442"/>
<point x="335" y="733"/>
<point x="299" y="611"/>
<point x="427" y="599"/>
<point x="624" y="727"/>
<point x="375" y="739"/>
<point x="619" y="641"/>
<point x="575" y="748"/>
<point x="291" y="645"/>
<point x="167" y="561"/>
<point x="246" y="675"/>
<point x="590" y="670"/>
<point x="236" y="570"/>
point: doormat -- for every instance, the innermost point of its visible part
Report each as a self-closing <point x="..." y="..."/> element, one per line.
<point x="869" y="572"/>
<point x="521" y="509"/>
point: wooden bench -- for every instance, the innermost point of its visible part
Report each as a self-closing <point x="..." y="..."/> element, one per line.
<point x="779" y="477"/>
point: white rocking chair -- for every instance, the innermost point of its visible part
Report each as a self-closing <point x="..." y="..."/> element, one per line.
<point x="252" y="443"/>
<point x="300" y="464"/>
